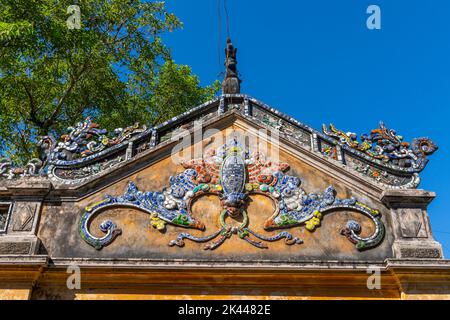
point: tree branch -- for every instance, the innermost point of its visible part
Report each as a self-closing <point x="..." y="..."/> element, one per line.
<point x="73" y="81"/>
<point x="33" y="109"/>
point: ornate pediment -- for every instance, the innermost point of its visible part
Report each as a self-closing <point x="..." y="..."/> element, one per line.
<point x="323" y="196"/>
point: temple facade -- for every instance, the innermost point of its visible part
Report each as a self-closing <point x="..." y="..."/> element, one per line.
<point x="230" y="200"/>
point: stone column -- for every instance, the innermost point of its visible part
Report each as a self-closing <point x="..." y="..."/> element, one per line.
<point x="412" y="230"/>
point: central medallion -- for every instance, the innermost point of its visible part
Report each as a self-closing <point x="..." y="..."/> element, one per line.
<point x="232" y="179"/>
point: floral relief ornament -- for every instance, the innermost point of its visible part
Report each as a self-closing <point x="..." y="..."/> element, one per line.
<point x="234" y="175"/>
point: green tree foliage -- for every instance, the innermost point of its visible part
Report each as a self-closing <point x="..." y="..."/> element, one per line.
<point x="115" y="68"/>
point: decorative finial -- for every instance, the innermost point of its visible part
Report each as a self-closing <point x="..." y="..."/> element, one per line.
<point x="231" y="83"/>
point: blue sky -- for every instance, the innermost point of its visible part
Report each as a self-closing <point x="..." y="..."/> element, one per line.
<point x="318" y="62"/>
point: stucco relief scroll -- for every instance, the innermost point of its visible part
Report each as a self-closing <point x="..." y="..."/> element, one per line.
<point x="234" y="175"/>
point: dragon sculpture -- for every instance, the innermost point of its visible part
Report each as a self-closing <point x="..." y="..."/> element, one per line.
<point x="386" y="145"/>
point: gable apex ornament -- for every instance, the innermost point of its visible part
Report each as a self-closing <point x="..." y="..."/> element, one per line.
<point x="231" y="83"/>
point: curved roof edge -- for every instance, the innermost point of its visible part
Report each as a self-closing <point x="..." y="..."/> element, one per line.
<point x="381" y="155"/>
